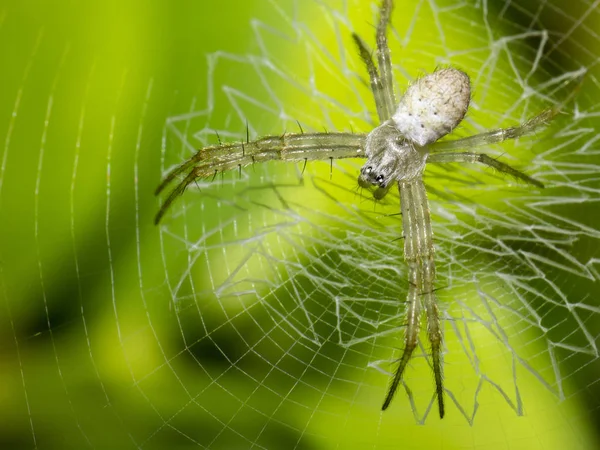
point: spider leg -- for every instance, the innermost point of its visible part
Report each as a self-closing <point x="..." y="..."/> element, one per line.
<point x="499" y="135"/>
<point x="529" y="127"/>
<point x="383" y="57"/>
<point x="376" y="83"/>
<point x="434" y="333"/>
<point x="288" y="147"/>
<point x="382" y="82"/>
<point x="176" y="192"/>
<point x="482" y="158"/>
<point x="419" y="256"/>
<point x="411" y="339"/>
<point x="183" y="167"/>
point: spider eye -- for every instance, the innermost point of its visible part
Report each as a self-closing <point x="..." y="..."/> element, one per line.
<point x="379" y="178"/>
<point x="368" y="169"/>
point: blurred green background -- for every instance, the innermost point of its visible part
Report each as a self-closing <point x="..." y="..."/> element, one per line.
<point x="91" y="353"/>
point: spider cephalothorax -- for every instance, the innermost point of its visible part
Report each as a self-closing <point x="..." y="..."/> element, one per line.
<point x="390" y="158"/>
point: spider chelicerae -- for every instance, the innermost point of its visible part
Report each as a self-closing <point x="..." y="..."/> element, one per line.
<point x="396" y="153"/>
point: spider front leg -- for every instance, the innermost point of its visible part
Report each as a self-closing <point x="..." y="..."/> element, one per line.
<point x="482" y="158"/>
<point x="419" y="254"/>
<point x="288" y="147"/>
<point x="176" y="192"/>
<point x="411" y="336"/>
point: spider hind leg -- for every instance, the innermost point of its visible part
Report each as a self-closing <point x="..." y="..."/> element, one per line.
<point x="381" y="77"/>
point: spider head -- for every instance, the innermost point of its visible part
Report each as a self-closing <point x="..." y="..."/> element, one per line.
<point x="390" y="158"/>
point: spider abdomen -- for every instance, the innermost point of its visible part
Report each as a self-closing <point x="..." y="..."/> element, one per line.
<point x="433" y="106"/>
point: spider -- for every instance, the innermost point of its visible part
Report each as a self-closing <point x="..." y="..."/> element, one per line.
<point x="396" y="153"/>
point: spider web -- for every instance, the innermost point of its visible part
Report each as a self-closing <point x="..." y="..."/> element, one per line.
<point x="266" y="311"/>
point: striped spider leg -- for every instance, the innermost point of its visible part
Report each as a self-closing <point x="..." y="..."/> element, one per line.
<point x="209" y="161"/>
<point x="396" y="152"/>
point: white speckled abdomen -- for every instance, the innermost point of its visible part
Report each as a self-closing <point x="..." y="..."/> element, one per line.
<point x="433" y="106"/>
